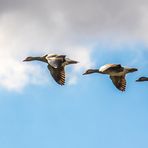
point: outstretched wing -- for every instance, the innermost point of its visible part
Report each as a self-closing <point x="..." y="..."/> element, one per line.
<point x="56" y="61"/>
<point x="119" y="82"/>
<point x="58" y="74"/>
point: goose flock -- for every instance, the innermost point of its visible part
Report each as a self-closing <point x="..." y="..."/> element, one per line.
<point x="56" y="65"/>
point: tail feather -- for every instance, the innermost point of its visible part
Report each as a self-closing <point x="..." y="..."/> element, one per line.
<point x="69" y="61"/>
<point x="73" y="62"/>
<point x="132" y="70"/>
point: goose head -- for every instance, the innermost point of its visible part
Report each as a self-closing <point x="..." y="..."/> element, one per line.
<point x="28" y="59"/>
<point x="142" y="79"/>
<point x="90" y="71"/>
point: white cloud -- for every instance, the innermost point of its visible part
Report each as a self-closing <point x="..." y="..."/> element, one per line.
<point x="19" y="39"/>
<point x="14" y="75"/>
<point x="72" y="27"/>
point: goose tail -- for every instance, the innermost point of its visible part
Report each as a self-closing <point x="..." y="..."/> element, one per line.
<point x="131" y="70"/>
<point x="69" y="61"/>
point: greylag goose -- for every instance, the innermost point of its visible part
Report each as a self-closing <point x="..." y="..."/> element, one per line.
<point x="141" y="79"/>
<point x="56" y="65"/>
<point x="116" y="72"/>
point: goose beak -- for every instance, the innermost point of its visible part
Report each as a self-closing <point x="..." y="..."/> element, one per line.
<point x="85" y="73"/>
<point x="138" y="80"/>
<point x="24" y="60"/>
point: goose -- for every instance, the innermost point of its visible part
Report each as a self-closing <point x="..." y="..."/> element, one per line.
<point x="141" y="79"/>
<point x="56" y="64"/>
<point x="116" y="72"/>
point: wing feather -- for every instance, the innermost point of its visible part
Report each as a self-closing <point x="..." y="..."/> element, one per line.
<point x="119" y="82"/>
<point x="58" y="74"/>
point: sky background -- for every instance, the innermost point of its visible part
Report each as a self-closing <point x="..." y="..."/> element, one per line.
<point x="88" y="112"/>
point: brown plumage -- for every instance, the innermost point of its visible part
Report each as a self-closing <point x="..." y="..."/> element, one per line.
<point x="116" y="72"/>
<point x="58" y="74"/>
<point x="142" y="79"/>
<point x="119" y="82"/>
<point x="56" y="65"/>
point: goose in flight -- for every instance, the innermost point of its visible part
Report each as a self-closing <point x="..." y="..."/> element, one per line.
<point x="141" y="79"/>
<point x="116" y="72"/>
<point x="56" y="65"/>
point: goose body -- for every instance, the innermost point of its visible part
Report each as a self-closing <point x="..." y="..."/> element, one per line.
<point x="141" y="79"/>
<point x="116" y="72"/>
<point x="56" y="65"/>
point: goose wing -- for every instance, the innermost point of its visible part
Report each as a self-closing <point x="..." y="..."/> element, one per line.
<point x="58" y="74"/>
<point x="119" y="82"/>
<point x="56" y="61"/>
<point x="115" y="67"/>
<point x="111" y="67"/>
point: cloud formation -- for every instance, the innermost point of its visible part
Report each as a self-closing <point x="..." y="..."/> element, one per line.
<point x="71" y="27"/>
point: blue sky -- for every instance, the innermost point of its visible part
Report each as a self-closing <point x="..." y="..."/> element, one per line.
<point x="88" y="112"/>
<point x="91" y="113"/>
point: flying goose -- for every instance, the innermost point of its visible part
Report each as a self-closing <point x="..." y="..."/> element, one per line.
<point x="116" y="72"/>
<point x="141" y="79"/>
<point x="56" y="64"/>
